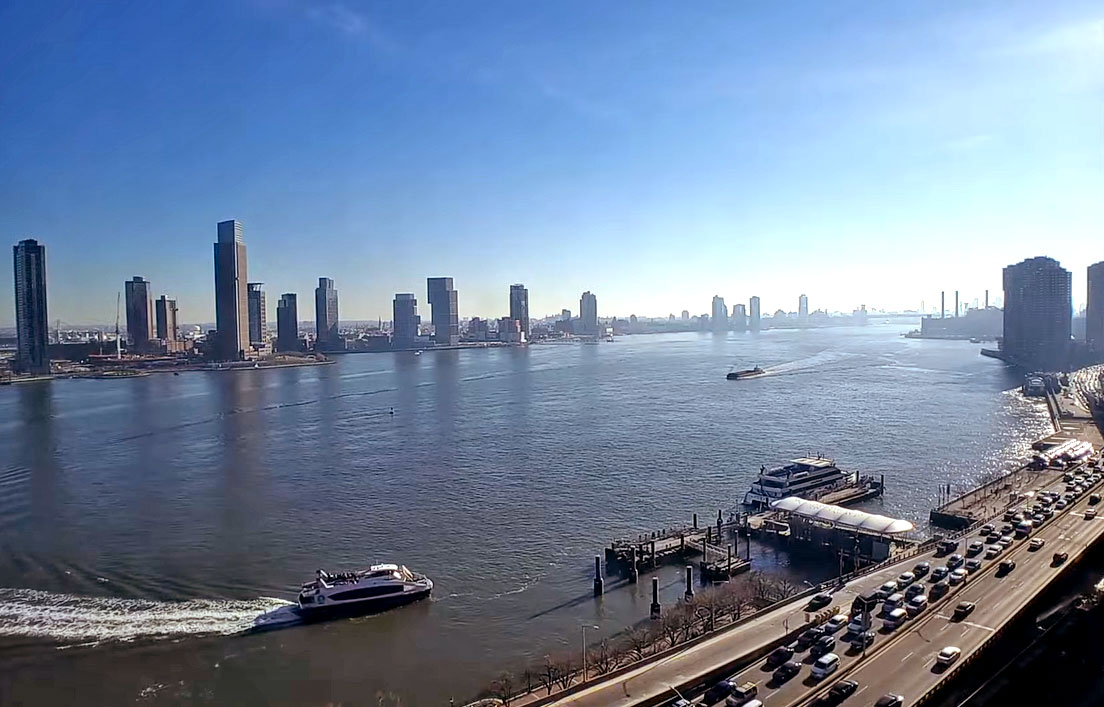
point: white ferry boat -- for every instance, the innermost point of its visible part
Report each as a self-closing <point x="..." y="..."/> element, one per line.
<point x="806" y="478"/>
<point x="362" y="591"/>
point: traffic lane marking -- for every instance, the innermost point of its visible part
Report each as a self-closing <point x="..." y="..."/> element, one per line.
<point x="965" y="623"/>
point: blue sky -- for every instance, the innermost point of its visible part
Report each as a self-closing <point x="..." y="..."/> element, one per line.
<point x="654" y="153"/>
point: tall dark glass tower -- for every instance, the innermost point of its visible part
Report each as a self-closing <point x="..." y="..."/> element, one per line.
<point x="405" y="321"/>
<point x="139" y="313"/>
<point x="1038" y="307"/>
<point x="287" y="323"/>
<point x="325" y="314"/>
<point x="444" y="312"/>
<point x="231" y="298"/>
<point x="519" y="307"/>
<point x="32" y="335"/>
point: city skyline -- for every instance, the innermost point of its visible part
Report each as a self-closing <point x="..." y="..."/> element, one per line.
<point x="617" y="153"/>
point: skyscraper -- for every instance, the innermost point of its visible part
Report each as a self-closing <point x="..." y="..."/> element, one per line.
<point x="1094" y="312"/>
<point x="405" y="321"/>
<point x="31" y="331"/>
<point x="685" y="315"/>
<point x="444" y="312"/>
<point x="739" y="317"/>
<point x="139" y="314"/>
<point x="1038" y="306"/>
<point x="720" y="314"/>
<point x="287" y="323"/>
<point x="325" y="315"/>
<point x="258" y="316"/>
<point x="167" y="327"/>
<point x="803" y="307"/>
<point x="231" y="299"/>
<point x="588" y="315"/>
<point x="753" y="314"/>
<point x="519" y="307"/>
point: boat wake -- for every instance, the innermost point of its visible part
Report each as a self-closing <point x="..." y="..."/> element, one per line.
<point x="69" y="618"/>
<point x="810" y="363"/>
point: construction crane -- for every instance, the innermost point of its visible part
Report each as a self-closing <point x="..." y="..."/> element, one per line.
<point x="118" y="342"/>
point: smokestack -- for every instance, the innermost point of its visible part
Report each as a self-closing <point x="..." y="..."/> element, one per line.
<point x="987" y="299"/>
<point x="956" y="303"/>
<point x="942" y="303"/>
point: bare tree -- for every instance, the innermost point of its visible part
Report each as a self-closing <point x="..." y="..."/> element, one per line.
<point x="549" y="672"/>
<point x="567" y="669"/>
<point x="388" y="699"/>
<point x="671" y="625"/>
<point x="638" y="639"/>
<point x="503" y="688"/>
<point x="603" y="657"/>
<point x="528" y="675"/>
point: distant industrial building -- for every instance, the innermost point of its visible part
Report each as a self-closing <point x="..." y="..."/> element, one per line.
<point x="1094" y="312"/>
<point x="444" y="311"/>
<point x="519" y="307"/>
<point x="139" y="314"/>
<point x="258" y="317"/>
<point x="754" y="317"/>
<point x="405" y="321"/>
<point x="720" y="314"/>
<point x="287" y="323"/>
<point x="1038" y="307"/>
<point x="167" y="328"/>
<point x="31" y="329"/>
<point x="588" y="315"/>
<point x="231" y="296"/>
<point x="325" y="315"/>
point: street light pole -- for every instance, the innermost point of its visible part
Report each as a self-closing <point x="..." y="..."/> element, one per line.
<point x="583" y="629"/>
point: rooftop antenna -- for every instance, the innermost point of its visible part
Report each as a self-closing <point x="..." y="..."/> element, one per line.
<point x="118" y="343"/>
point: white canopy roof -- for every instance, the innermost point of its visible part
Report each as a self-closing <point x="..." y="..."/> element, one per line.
<point x="843" y="517"/>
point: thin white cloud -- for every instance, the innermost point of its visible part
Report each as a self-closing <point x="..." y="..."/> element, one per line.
<point x="339" y="17"/>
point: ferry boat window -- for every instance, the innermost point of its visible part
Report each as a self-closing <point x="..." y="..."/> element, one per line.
<point x="366" y="592"/>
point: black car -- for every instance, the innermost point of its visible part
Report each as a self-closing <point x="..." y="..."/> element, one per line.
<point x="838" y="693"/>
<point x="890" y="700"/>
<point x="787" y="671"/>
<point x="810" y="637"/>
<point x="824" y="644"/>
<point x="862" y="640"/>
<point x="1006" y="567"/>
<point x="938" y="589"/>
<point x="921" y="569"/>
<point x="719" y="691"/>
<point x="1060" y="557"/>
<point x="779" y="656"/>
<point x="955" y="561"/>
<point x="939" y="573"/>
<point x="820" y="600"/>
<point x="963" y="610"/>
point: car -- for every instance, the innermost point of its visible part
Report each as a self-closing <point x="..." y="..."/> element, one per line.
<point x="1006" y="567"/>
<point x="921" y="569"/>
<point x="826" y="644"/>
<point x="993" y="538"/>
<point x="1060" y="557"/>
<point x="893" y="601"/>
<point x="779" y="656"/>
<point x="1090" y="514"/>
<point x="1005" y="540"/>
<point x="835" y="623"/>
<point x="992" y="551"/>
<point x="939" y="573"/>
<point x="916" y="604"/>
<point x="905" y="579"/>
<point x="913" y="590"/>
<point x="973" y="565"/>
<point x="986" y="529"/>
<point x="786" y="671"/>
<point x="1038" y="519"/>
<point x="1008" y="514"/>
<point x="954" y="561"/>
<point x="1048" y="513"/>
<point x="1007" y="529"/>
<point x="886" y="589"/>
<point x="958" y="576"/>
<point x="939" y="589"/>
<point x="819" y="601"/>
<point x="948" y="655"/>
<point x="810" y="637"/>
<point x="743" y="694"/>
<point x="1061" y="504"/>
<point x="964" y="609"/>
<point x="894" y="619"/>
<point x="825" y="665"/>
<point x="890" y="700"/>
<point x="946" y="546"/>
<point x="974" y="548"/>
<point x="719" y="691"/>
<point x="862" y="640"/>
<point x="838" y="693"/>
<point x="680" y="702"/>
<point x="1035" y="544"/>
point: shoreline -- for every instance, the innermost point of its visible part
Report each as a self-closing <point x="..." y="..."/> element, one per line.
<point x="145" y="373"/>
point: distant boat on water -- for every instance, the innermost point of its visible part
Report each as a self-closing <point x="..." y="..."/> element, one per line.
<point x="749" y="373"/>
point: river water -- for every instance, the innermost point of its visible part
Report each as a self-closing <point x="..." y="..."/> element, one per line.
<point x="144" y="523"/>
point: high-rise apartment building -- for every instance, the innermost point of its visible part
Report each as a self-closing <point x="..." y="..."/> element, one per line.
<point x="720" y="314"/>
<point x="139" y="313"/>
<point x="686" y="315"/>
<point x="287" y="323"/>
<point x="31" y="328"/>
<point x="325" y="315"/>
<point x="588" y="315"/>
<point x="444" y="312"/>
<point x="803" y="307"/>
<point x="1038" y="307"/>
<point x="405" y="321"/>
<point x="258" y="316"/>
<point x="739" y="317"/>
<point x="1094" y="311"/>
<point x="231" y="293"/>
<point x="519" y="307"/>
<point x="754" y="316"/>
<point x="167" y="328"/>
